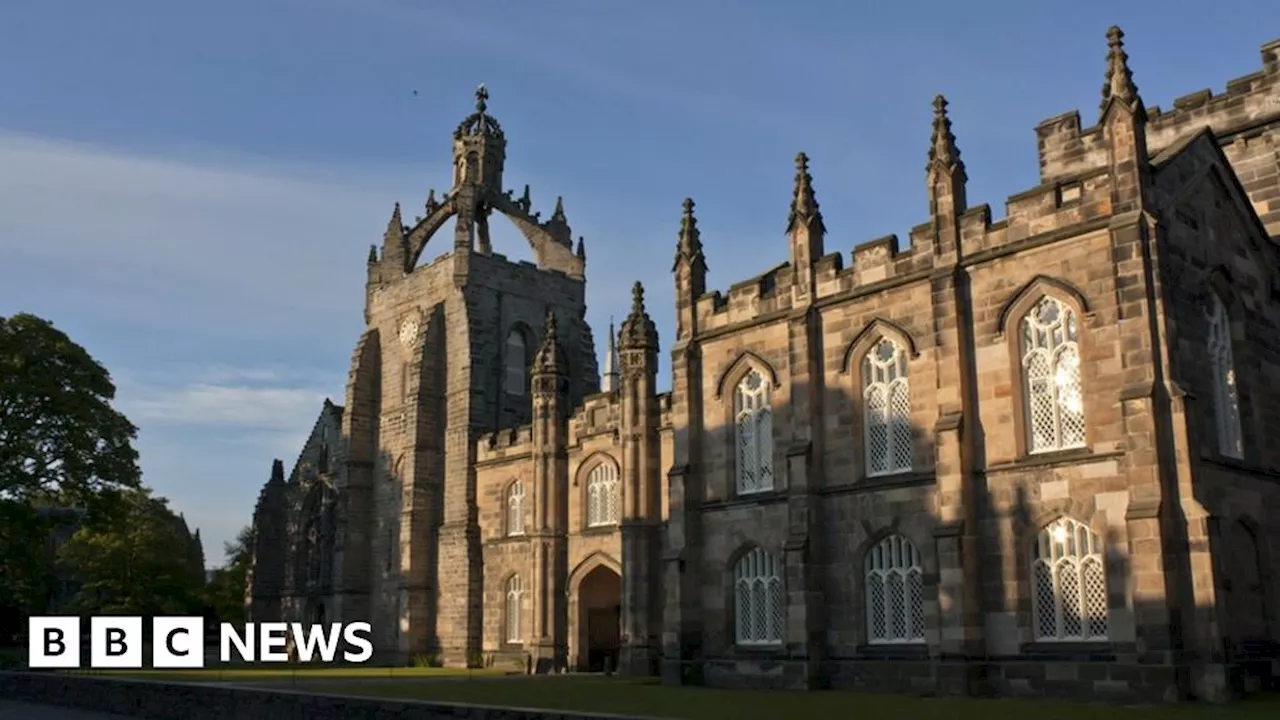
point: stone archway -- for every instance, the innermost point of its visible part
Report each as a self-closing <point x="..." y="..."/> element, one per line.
<point x="1246" y="599"/>
<point x="599" y="633"/>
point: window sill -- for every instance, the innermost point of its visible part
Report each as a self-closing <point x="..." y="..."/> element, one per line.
<point x="894" y="651"/>
<point x="1087" y="650"/>
<point x="760" y="498"/>
<point x="771" y="650"/>
<point x="1056" y="457"/>
<point x="906" y="477"/>
<point x="599" y="530"/>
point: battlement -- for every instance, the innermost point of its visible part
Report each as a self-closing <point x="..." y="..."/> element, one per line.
<point x="504" y="444"/>
<point x="598" y="414"/>
<point x="1066" y="148"/>
<point x="1066" y="204"/>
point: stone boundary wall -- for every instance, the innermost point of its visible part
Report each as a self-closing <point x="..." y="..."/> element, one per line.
<point x="152" y="700"/>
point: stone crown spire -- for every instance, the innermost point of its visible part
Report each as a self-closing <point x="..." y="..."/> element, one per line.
<point x="638" y="330"/>
<point x="804" y="204"/>
<point x="480" y="122"/>
<point x="689" y="247"/>
<point x="549" y="359"/>
<point x="942" y="146"/>
<point x="1119" y="83"/>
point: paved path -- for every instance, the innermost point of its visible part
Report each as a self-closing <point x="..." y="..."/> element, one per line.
<point x="21" y="711"/>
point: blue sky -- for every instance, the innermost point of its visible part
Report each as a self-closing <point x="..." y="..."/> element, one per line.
<point x="190" y="189"/>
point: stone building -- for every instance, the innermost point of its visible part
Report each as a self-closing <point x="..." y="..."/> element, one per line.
<point x="1019" y="455"/>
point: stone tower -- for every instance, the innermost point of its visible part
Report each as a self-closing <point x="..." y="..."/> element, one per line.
<point x="444" y="361"/>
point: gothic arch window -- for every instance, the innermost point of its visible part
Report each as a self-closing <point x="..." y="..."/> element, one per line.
<point x="895" y="592"/>
<point x="515" y="508"/>
<point x="1069" y="583"/>
<point x="1052" y="392"/>
<point x="514" y="606"/>
<point x="886" y="399"/>
<point x="760" y="607"/>
<point x="753" y="434"/>
<point x="603" y="495"/>
<point x="516" y="370"/>
<point x="1226" y="397"/>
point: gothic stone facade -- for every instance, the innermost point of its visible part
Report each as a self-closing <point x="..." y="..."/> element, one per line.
<point x="1027" y="455"/>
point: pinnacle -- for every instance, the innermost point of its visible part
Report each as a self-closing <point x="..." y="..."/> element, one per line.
<point x="942" y="146"/>
<point x="804" y="204"/>
<point x="550" y="327"/>
<point x="373" y="253"/>
<point x="637" y="299"/>
<point x="482" y="98"/>
<point x="395" y="226"/>
<point x="1119" y="80"/>
<point x="558" y="213"/>
<point x="277" y="472"/>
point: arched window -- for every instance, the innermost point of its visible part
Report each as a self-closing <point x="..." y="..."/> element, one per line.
<point x="753" y="428"/>
<point x="1051" y="377"/>
<point x="515" y="508"/>
<point x="887" y="409"/>
<point x="1226" y="398"/>
<point x="759" y="602"/>
<point x="1069" y="583"/>
<point x="895" y="592"/>
<point x="602" y="495"/>
<point x="515" y="599"/>
<point x="517" y="373"/>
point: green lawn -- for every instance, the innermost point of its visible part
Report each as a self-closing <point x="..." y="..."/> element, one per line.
<point x="650" y="699"/>
<point x="291" y="674"/>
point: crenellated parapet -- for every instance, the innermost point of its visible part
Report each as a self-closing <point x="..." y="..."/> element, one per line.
<point x="1066" y="148"/>
<point x="1079" y="192"/>
<point x="504" y="445"/>
<point x="598" y="415"/>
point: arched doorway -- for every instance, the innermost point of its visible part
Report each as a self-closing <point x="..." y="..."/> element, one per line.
<point x="599" y="619"/>
<point x="1246" y="599"/>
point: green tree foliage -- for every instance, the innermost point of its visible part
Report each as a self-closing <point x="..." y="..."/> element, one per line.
<point x="62" y="444"/>
<point x="141" y="565"/>
<point x="60" y="439"/>
<point x="225" y="593"/>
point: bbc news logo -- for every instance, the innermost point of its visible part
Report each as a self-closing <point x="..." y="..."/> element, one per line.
<point x="178" y="642"/>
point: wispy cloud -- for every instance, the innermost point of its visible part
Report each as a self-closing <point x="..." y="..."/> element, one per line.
<point x="224" y="292"/>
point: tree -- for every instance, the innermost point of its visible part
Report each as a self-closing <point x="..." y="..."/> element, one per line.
<point x="59" y="436"/>
<point x="61" y="445"/>
<point x="225" y="593"/>
<point x="139" y="566"/>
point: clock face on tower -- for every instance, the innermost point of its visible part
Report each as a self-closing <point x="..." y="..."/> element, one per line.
<point x="409" y="330"/>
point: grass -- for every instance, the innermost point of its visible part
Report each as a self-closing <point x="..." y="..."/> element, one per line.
<point x="292" y="674"/>
<point x="647" y="698"/>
